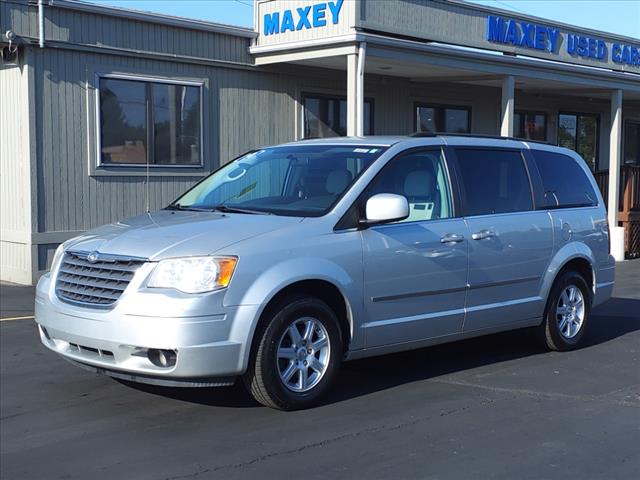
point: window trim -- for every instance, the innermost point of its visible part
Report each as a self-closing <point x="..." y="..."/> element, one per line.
<point x="463" y="194"/>
<point x="147" y="79"/>
<point x="330" y="96"/>
<point x="577" y="115"/>
<point x="443" y="106"/>
<point x="533" y="112"/>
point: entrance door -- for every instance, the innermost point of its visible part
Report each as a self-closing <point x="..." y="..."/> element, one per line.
<point x="415" y="270"/>
<point x="631" y="152"/>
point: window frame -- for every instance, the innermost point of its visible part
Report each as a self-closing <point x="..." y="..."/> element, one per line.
<point x="578" y="115"/>
<point x="352" y="217"/>
<point x="331" y="96"/>
<point x="443" y="106"/>
<point x="533" y="112"/>
<point x="147" y="80"/>
<point x="628" y="122"/>
<point x="532" y="180"/>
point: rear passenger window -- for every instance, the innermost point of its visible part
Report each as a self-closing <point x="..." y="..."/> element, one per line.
<point x="565" y="183"/>
<point x="493" y="181"/>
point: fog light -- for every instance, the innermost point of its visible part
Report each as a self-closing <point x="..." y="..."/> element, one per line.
<point x="44" y="332"/>
<point x="162" y="358"/>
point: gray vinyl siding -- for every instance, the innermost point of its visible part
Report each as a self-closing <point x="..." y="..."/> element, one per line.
<point x="18" y="16"/>
<point x="81" y="29"/>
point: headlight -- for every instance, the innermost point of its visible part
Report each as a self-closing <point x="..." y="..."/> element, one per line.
<point x="193" y="274"/>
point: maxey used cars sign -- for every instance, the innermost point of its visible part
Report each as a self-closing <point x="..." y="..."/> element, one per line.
<point x="315" y="15"/>
<point x="541" y="37"/>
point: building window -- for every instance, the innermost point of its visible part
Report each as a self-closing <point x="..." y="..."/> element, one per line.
<point x="326" y="116"/>
<point x="149" y="122"/>
<point x="530" y="125"/>
<point x="579" y="132"/>
<point x="443" y="119"/>
<point x="632" y="142"/>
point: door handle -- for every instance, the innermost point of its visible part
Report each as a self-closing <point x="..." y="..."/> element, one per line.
<point x="452" y="238"/>
<point x="482" y="234"/>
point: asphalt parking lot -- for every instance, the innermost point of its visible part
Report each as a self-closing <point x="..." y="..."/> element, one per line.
<point x="489" y="408"/>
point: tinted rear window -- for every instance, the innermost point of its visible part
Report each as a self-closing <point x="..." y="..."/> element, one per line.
<point x="565" y="183"/>
<point x="493" y="181"/>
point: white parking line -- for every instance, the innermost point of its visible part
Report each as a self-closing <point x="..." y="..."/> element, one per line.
<point x="8" y="319"/>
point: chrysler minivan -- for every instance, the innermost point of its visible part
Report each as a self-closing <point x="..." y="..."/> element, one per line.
<point x="291" y="259"/>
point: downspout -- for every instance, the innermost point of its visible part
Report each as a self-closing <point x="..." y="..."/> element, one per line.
<point x="362" y="52"/>
<point x="41" y="23"/>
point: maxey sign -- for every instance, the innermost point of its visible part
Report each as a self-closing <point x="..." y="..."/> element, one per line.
<point x="534" y="36"/>
<point x="316" y="15"/>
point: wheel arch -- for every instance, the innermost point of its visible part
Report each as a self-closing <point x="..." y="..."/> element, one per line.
<point x="329" y="282"/>
<point x="575" y="256"/>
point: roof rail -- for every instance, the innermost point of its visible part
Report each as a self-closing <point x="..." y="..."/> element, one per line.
<point x="475" y="135"/>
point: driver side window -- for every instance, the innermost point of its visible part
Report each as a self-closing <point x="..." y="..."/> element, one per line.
<point x="421" y="177"/>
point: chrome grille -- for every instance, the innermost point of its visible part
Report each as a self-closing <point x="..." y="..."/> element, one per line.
<point x="99" y="282"/>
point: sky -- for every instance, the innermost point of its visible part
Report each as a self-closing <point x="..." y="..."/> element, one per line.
<point x="616" y="16"/>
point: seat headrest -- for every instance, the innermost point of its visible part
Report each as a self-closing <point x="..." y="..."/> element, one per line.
<point x="338" y="181"/>
<point x="419" y="183"/>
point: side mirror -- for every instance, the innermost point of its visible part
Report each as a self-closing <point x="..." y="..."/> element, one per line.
<point x="386" y="207"/>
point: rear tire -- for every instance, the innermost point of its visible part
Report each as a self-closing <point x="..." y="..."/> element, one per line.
<point x="567" y="312"/>
<point x="297" y="354"/>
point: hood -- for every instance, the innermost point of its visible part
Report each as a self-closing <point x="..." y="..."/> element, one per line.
<point x="173" y="233"/>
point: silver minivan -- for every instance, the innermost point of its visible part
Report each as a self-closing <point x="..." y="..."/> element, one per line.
<point x="291" y="259"/>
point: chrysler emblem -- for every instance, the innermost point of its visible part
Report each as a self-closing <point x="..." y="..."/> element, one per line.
<point x="92" y="257"/>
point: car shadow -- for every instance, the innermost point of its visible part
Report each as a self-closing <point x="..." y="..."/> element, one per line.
<point x="609" y="321"/>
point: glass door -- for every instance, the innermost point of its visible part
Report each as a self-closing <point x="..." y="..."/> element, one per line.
<point x="631" y="152"/>
<point x="579" y="132"/>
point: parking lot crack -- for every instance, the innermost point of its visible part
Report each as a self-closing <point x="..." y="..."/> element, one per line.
<point x="328" y="441"/>
<point x="607" y="397"/>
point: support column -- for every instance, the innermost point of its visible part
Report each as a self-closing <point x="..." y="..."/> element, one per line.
<point x="352" y="100"/>
<point x="508" y="106"/>
<point x="362" y="52"/>
<point x="615" y="151"/>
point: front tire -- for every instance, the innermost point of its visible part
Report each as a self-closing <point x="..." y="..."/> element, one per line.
<point x="298" y="354"/>
<point x="567" y="313"/>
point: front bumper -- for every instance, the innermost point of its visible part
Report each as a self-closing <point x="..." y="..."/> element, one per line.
<point x="210" y="349"/>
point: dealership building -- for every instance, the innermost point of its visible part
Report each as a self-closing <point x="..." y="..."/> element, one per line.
<point x="106" y="112"/>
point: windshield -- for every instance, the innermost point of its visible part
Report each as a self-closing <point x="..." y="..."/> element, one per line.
<point x="301" y="180"/>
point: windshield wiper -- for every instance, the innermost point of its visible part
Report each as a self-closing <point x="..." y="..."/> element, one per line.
<point x="177" y="206"/>
<point x="228" y="209"/>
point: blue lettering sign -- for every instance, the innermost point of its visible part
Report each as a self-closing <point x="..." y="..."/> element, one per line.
<point x="287" y="21"/>
<point x="522" y="34"/>
<point x="554" y="37"/>
<point x="616" y="53"/>
<point x="271" y="23"/>
<point x="335" y="8"/>
<point x="495" y="29"/>
<point x="541" y="38"/>
<point x="303" y="22"/>
<point x="527" y="35"/>
<point x="513" y="34"/>
<point x="318" y="15"/>
<point x="312" y="16"/>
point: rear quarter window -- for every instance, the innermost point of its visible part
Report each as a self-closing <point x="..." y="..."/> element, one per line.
<point x="565" y="183"/>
